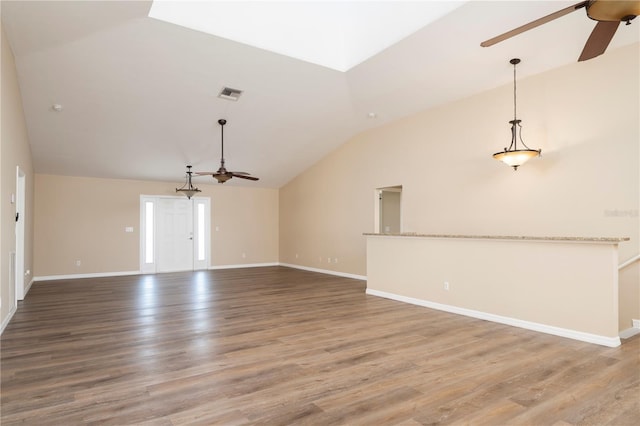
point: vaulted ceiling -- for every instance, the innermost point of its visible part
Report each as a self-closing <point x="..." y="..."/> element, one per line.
<point x="140" y="98"/>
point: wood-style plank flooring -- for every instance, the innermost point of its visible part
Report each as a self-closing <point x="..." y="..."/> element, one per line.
<point x="279" y="346"/>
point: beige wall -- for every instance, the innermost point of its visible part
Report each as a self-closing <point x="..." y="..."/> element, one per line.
<point x="584" y="116"/>
<point x="14" y="152"/>
<point x="84" y="219"/>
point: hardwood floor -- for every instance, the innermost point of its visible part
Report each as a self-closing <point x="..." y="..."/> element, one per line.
<point x="279" y="346"/>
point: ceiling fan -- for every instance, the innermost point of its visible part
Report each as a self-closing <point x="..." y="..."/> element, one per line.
<point x="608" y="13"/>
<point x="223" y="175"/>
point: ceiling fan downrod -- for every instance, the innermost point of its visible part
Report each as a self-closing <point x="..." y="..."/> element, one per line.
<point x="222" y="122"/>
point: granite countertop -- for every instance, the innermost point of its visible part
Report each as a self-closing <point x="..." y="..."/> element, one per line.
<point x="610" y="240"/>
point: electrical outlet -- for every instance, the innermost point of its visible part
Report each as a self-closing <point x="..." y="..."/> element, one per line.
<point x="335" y="260"/>
<point x="244" y="255"/>
<point x="328" y="260"/>
<point x="446" y="285"/>
<point x="296" y="255"/>
<point x="78" y="263"/>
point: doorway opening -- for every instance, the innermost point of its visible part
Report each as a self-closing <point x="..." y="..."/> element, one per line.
<point x="174" y="233"/>
<point x="388" y="210"/>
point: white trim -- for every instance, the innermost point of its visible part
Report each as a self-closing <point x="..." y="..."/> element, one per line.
<point x="326" y="271"/>
<point x="94" y="275"/>
<point x="28" y="287"/>
<point x="543" y="328"/>
<point x="214" y="267"/>
<point x="630" y="332"/>
<point x="147" y="268"/>
<point x="124" y="273"/>
<point x="7" y="319"/>
<point x="243" y="265"/>
<point x="206" y="202"/>
<point x="20" y="208"/>
<point x="629" y="262"/>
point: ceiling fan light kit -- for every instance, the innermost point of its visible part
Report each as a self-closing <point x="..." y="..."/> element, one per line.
<point x="607" y="13"/>
<point x="188" y="189"/>
<point x="513" y="156"/>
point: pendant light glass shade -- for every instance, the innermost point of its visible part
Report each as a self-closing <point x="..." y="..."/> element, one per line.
<point x="514" y="156"/>
<point x="188" y="189"/>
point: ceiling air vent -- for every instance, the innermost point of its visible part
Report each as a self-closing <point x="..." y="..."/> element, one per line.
<point x="230" y="94"/>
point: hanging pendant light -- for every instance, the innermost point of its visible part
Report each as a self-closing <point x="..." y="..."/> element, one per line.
<point x="513" y="156"/>
<point x="188" y="189"/>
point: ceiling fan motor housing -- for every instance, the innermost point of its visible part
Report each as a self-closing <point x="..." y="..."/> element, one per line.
<point x="222" y="178"/>
<point x="613" y="10"/>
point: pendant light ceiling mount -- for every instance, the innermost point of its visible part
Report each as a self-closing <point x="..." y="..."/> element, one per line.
<point x="513" y="156"/>
<point x="188" y="189"/>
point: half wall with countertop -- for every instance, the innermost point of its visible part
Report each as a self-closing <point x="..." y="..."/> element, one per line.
<point x="559" y="285"/>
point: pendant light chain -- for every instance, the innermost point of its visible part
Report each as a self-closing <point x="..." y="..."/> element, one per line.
<point x="515" y="116"/>
<point x="514" y="62"/>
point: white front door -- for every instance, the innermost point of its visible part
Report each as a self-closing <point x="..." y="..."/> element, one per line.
<point x="174" y="234"/>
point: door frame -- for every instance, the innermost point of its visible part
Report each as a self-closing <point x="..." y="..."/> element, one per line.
<point x="378" y="218"/>
<point x="197" y="264"/>
<point x="20" y="233"/>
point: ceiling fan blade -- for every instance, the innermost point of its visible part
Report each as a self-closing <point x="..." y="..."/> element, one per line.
<point x="533" y="24"/>
<point x="599" y="39"/>
<point x="241" y="173"/>
<point x="204" y="173"/>
<point x="244" y="176"/>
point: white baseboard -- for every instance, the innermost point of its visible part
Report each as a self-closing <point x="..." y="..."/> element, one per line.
<point x="235" y="266"/>
<point x="244" y="265"/>
<point x="629" y="332"/>
<point x="28" y="287"/>
<point x="543" y="328"/>
<point x="326" y="271"/>
<point x="77" y="276"/>
<point x="5" y="321"/>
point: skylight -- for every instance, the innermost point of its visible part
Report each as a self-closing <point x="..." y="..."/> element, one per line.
<point x="334" y="34"/>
